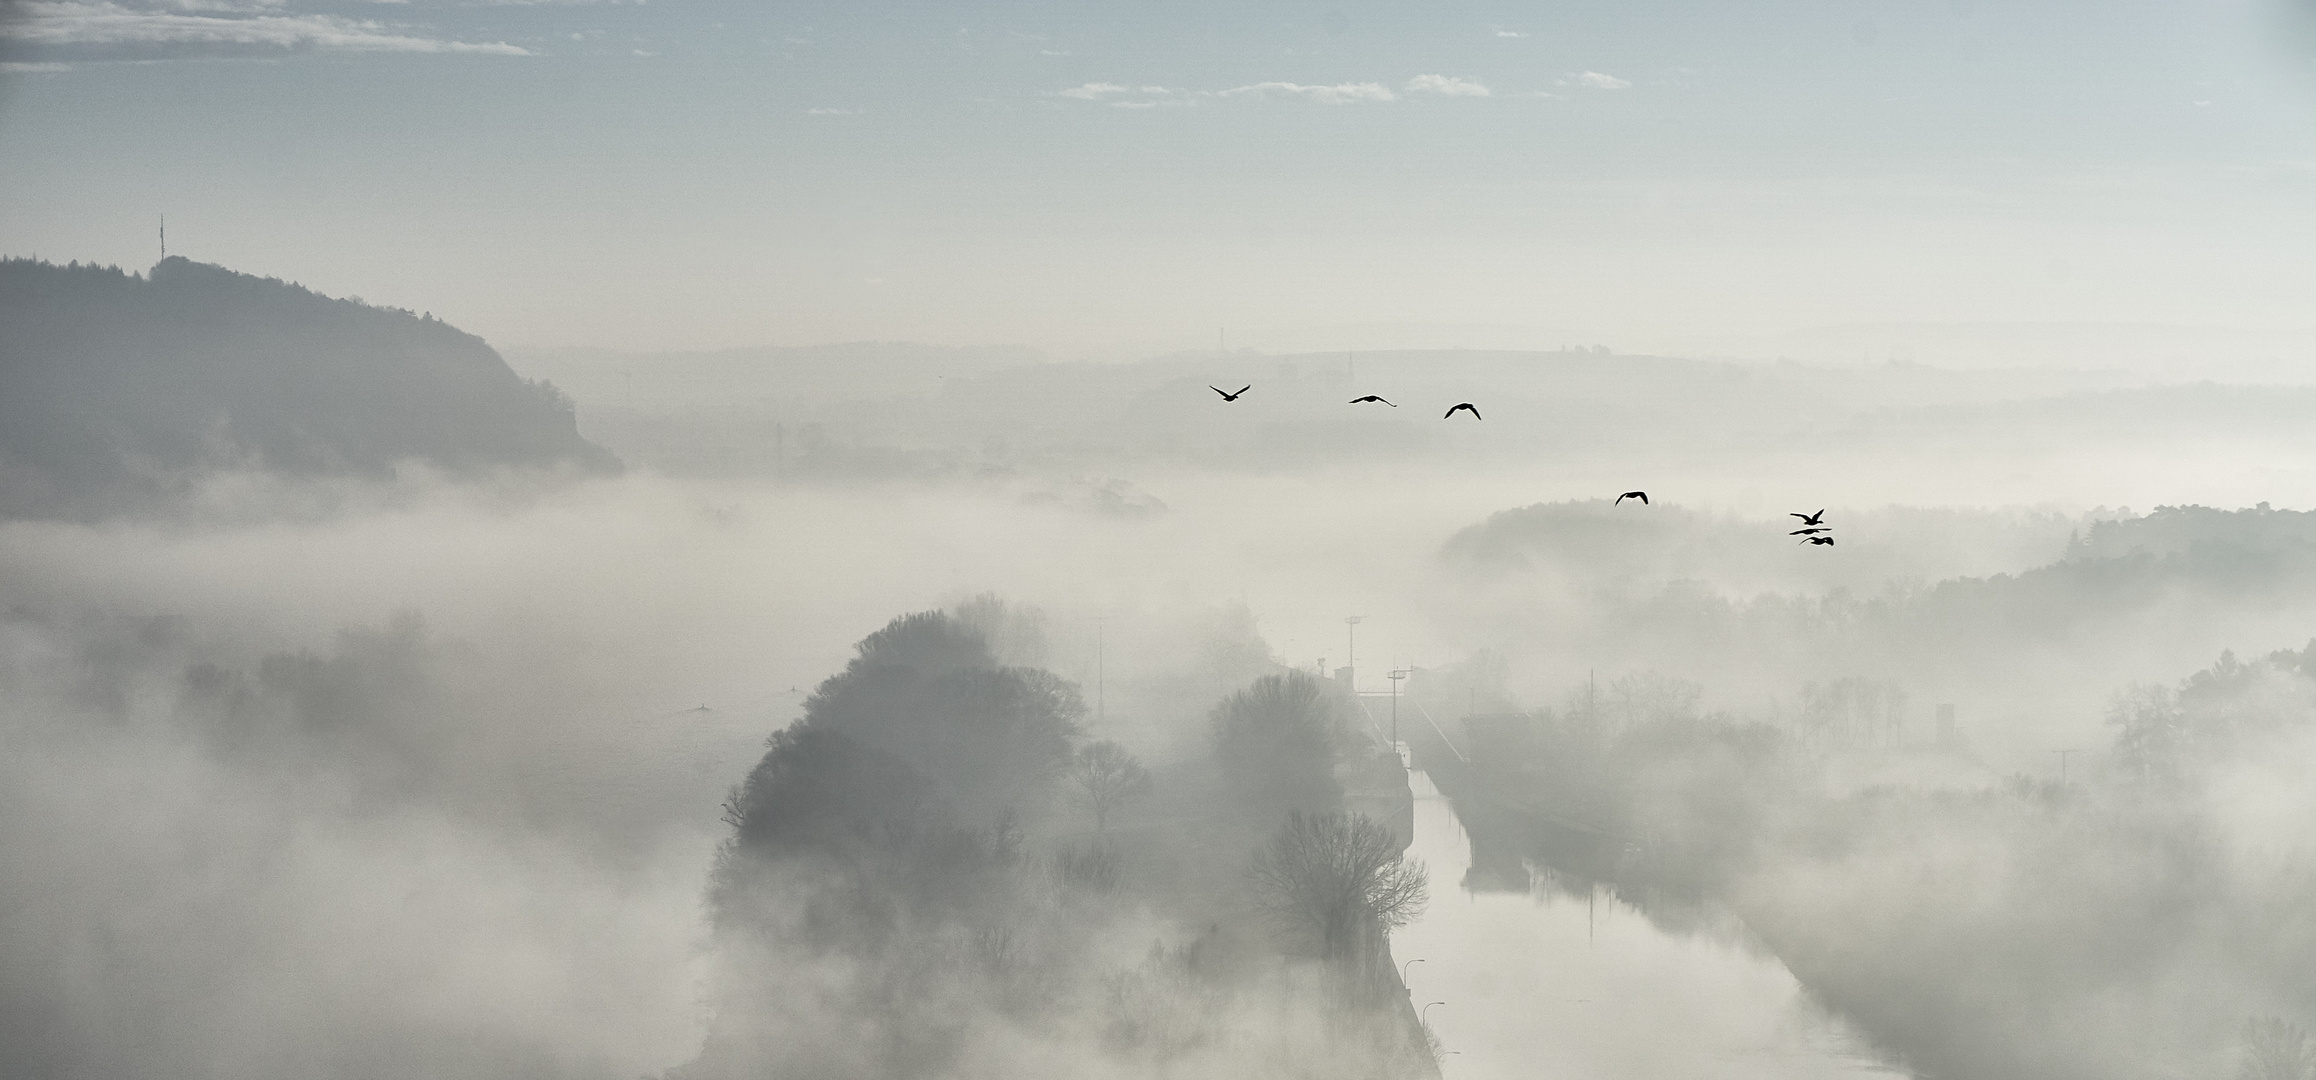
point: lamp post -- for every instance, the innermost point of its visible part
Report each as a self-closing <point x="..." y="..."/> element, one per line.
<point x="1396" y="674"/>
<point x="1423" y="1018"/>
<point x="2063" y="762"/>
<point x="1403" y="970"/>
<point x="1351" y="659"/>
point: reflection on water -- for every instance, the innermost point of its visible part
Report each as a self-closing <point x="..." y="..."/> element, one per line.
<point x="1536" y="985"/>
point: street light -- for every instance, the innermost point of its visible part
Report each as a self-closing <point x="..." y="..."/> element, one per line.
<point x="1396" y="674"/>
<point x="1351" y="642"/>
<point x="1403" y="970"/>
<point x="1423" y="1018"/>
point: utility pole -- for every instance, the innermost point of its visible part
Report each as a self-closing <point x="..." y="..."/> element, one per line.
<point x="1351" y="642"/>
<point x="1101" y="672"/>
<point x="2063" y="762"/>
<point x="1396" y="675"/>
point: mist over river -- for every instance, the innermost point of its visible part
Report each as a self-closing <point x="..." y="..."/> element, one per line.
<point x="1544" y="984"/>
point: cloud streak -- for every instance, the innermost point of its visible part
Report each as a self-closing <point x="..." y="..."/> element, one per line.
<point x="1445" y="86"/>
<point x="1338" y="94"/>
<point x="1594" y="80"/>
<point x="107" y="25"/>
<point x="1122" y="96"/>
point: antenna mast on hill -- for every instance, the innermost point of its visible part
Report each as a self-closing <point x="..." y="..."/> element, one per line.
<point x="164" y="236"/>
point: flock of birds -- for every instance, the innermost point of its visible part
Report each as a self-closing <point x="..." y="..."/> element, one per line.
<point x="1813" y="529"/>
<point x="1461" y="406"/>
<point x="1811" y="526"/>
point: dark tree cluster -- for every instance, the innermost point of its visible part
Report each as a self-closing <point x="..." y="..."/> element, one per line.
<point x="1277" y="743"/>
<point x="877" y="897"/>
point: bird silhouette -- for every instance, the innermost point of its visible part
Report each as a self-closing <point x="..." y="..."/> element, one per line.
<point x="1826" y="540"/>
<point x="1641" y="495"/>
<point x="1811" y="531"/>
<point x="1227" y="395"/>
<point x="1464" y="407"/>
<point x="1810" y="519"/>
<point x="1370" y="397"/>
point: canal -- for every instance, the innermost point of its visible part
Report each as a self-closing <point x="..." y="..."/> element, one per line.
<point x="1541" y="984"/>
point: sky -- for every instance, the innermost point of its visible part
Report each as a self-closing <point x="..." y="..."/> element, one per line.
<point x="1162" y="175"/>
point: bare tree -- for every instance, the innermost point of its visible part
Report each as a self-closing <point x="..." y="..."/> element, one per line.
<point x="1341" y="877"/>
<point x="2277" y="1049"/>
<point x="1107" y="776"/>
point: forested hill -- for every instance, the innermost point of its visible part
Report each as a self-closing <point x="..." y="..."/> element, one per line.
<point x="117" y="390"/>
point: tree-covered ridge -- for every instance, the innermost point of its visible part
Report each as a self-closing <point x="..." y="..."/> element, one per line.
<point x="118" y="391"/>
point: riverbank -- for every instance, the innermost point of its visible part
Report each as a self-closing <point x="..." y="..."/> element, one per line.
<point x="1536" y="980"/>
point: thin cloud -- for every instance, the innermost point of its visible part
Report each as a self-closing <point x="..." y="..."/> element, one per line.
<point x="1510" y="33"/>
<point x="1093" y="91"/>
<point x="1339" y="94"/>
<point x="1595" y="80"/>
<point x="19" y="67"/>
<point x="832" y="112"/>
<point x="75" y="24"/>
<point x="1445" y="86"/>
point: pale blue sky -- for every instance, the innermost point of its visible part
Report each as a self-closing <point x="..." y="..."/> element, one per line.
<point x="1134" y="175"/>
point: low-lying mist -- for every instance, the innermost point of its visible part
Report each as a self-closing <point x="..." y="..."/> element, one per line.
<point x="431" y="778"/>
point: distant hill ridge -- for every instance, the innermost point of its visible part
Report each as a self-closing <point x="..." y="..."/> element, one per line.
<point x="117" y="390"/>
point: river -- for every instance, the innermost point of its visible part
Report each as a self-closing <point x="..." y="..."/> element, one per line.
<point x="1535" y="985"/>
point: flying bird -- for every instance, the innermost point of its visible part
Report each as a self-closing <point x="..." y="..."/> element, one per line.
<point x="1464" y="407"/>
<point x="1370" y="397"/>
<point x="1826" y="540"/>
<point x="1641" y="495"/>
<point x="1227" y="395"/>
<point x="1811" y="531"/>
<point x="1810" y="519"/>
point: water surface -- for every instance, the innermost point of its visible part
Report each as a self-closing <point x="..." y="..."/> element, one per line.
<point x="1537" y="985"/>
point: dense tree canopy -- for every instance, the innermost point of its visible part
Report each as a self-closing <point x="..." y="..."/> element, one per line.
<point x="1276" y="742"/>
<point x="926" y="688"/>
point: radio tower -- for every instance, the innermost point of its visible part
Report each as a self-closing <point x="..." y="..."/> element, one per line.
<point x="164" y="236"/>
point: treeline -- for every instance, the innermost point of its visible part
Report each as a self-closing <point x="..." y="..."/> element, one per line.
<point x="934" y="873"/>
<point x="2103" y="597"/>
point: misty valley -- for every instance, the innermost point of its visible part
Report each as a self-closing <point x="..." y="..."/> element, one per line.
<point x="374" y="704"/>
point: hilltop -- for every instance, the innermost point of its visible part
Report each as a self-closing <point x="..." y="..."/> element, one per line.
<point x="119" y="391"/>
